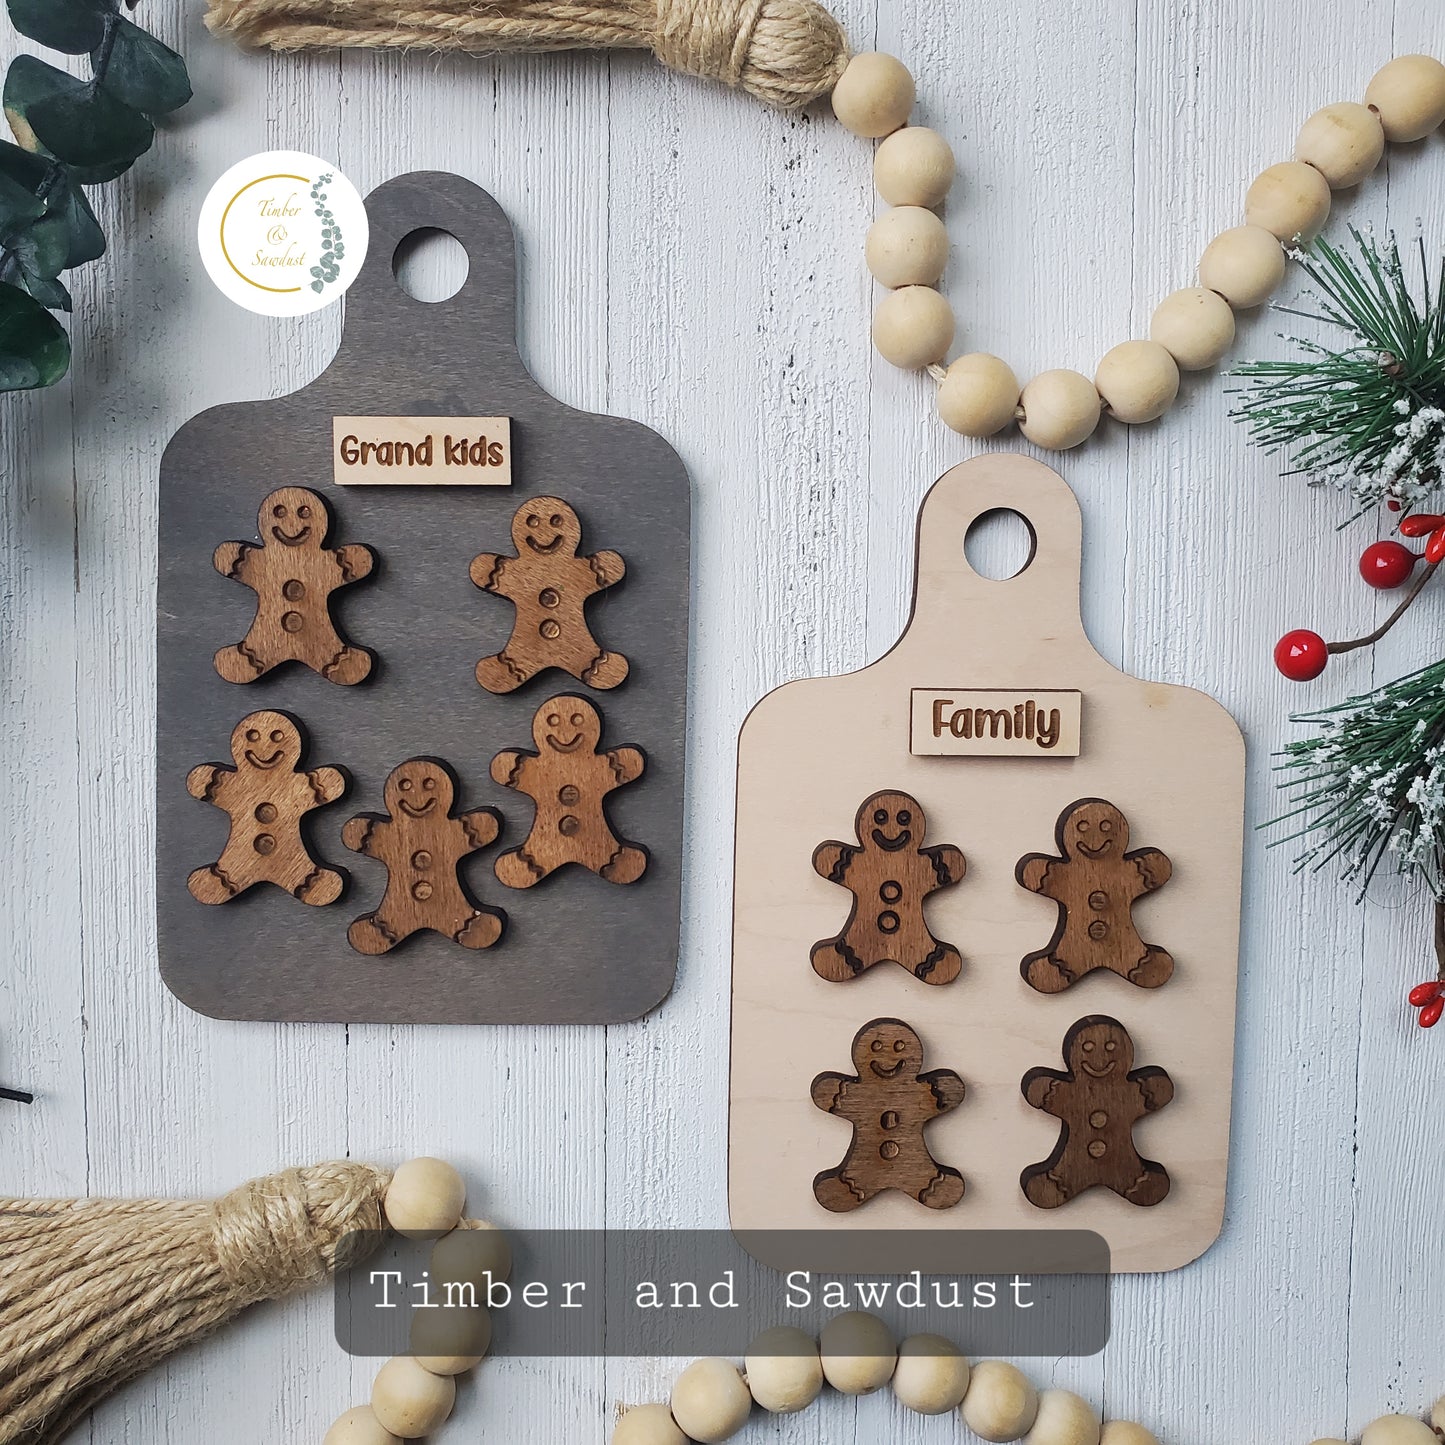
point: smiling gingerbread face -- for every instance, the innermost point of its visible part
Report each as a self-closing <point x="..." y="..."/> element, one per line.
<point x="1095" y="830"/>
<point x="890" y="821"/>
<point x="546" y="527"/>
<point x="419" y="788"/>
<point x="1099" y="1048"/>
<point x="567" y="725"/>
<point x="887" y="1049"/>
<point x="267" y="741"/>
<point x="293" y="517"/>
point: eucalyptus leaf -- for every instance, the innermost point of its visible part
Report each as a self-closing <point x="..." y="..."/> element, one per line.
<point x="144" y="73"/>
<point x="34" y="349"/>
<point x="81" y="124"/>
<point x="19" y="206"/>
<point x="51" y="294"/>
<point x="87" y="240"/>
<point x="23" y="166"/>
<point x="42" y="247"/>
<point x="73" y="26"/>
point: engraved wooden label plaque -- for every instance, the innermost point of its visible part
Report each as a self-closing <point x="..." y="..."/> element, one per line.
<point x="316" y="563"/>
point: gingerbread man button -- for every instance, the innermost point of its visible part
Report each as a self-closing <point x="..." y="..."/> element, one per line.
<point x="1095" y="881"/>
<point x="293" y="576"/>
<point x="1098" y="1099"/>
<point x="549" y="584"/>
<point x="568" y="778"/>
<point x="888" y="1102"/>
<point x="265" y="796"/>
<point x="421" y="844"/>
<point x="889" y="874"/>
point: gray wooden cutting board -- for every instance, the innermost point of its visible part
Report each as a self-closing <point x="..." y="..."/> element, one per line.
<point x="576" y="948"/>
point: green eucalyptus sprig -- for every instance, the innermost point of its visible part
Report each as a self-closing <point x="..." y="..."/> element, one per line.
<point x="71" y="133"/>
<point x="1365" y="413"/>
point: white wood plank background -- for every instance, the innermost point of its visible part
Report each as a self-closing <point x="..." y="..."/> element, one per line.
<point x="694" y="261"/>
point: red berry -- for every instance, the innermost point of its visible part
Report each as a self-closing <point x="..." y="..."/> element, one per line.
<point x="1386" y="564"/>
<point x="1421" y="524"/>
<point x="1393" y="504"/>
<point x="1430" y="1014"/>
<point x="1435" y="547"/>
<point x="1425" y="993"/>
<point x="1301" y="655"/>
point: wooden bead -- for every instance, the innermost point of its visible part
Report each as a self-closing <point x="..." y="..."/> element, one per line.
<point x="1126" y="1432"/>
<point x="979" y="396"/>
<point x="360" y="1427"/>
<point x="784" y="1371"/>
<point x="1437" y="1413"/>
<point x="648" y="1425"/>
<point x="1064" y="1419"/>
<point x="1061" y="409"/>
<point x="450" y="1341"/>
<point x="1289" y="200"/>
<point x="425" y="1196"/>
<point x="1244" y="264"/>
<point x="1329" y="1440"/>
<point x="874" y="95"/>
<point x="410" y="1401"/>
<point x="913" y="327"/>
<point x="1408" y="94"/>
<point x="1398" y="1430"/>
<point x="931" y="1376"/>
<point x="1195" y="326"/>
<point x="468" y="1256"/>
<point x="710" y="1402"/>
<point x="1001" y="1402"/>
<point x="1343" y="142"/>
<point x="914" y="166"/>
<point x="1138" y="381"/>
<point x="858" y="1353"/>
<point x="907" y="246"/>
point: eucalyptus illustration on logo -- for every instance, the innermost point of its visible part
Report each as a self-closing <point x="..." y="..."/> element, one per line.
<point x="333" y="249"/>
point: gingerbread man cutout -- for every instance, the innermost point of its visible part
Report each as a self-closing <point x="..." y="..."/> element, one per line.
<point x="1095" y="882"/>
<point x="266" y="795"/>
<point x="567" y="778"/>
<point x="888" y="1102"/>
<point x="889" y="875"/>
<point x="421" y="844"/>
<point x="549" y="584"/>
<point x="293" y="576"/>
<point x="1099" y="1099"/>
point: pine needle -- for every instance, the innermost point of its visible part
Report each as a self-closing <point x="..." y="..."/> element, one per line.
<point x="1370" y="786"/>
<point x="1368" y="417"/>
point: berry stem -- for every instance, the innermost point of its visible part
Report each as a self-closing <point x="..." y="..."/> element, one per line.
<point x="1440" y="937"/>
<point x="1370" y="638"/>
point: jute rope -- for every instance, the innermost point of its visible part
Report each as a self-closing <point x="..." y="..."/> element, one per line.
<point x="785" y="52"/>
<point x="94" y="1291"/>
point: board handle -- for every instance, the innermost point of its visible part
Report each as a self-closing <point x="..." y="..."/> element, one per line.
<point x="1040" y="604"/>
<point x="478" y="323"/>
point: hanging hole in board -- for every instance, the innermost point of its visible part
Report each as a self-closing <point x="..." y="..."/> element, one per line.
<point x="999" y="544"/>
<point x="430" y="264"/>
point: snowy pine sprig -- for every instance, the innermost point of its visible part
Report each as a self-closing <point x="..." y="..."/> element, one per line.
<point x="1369" y="787"/>
<point x="1366" y="416"/>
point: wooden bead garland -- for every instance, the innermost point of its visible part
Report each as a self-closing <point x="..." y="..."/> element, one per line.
<point x="783" y="1370"/>
<point x="710" y="1401"/>
<point x="1286" y="204"/>
<point x="414" y="1394"/>
<point x="930" y="1376"/>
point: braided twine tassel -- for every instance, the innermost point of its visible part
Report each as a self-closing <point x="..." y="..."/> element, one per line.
<point x="94" y="1291"/>
<point x="785" y="52"/>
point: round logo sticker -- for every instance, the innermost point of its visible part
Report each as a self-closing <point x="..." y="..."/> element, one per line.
<point x="283" y="233"/>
